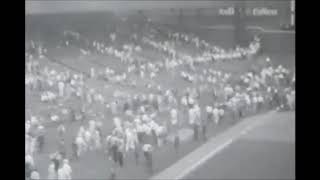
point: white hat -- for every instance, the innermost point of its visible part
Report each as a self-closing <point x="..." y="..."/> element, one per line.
<point x="137" y="120"/>
<point x="268" y="59"/>
<point x="209" y="109"/>
<point x="145" y="117"/>
<point x="191" y="101"/>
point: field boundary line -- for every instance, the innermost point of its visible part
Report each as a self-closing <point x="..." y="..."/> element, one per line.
<point x="199" y="156"/>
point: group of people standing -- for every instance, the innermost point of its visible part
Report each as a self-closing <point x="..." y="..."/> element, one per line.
<point x="144" y="122"/>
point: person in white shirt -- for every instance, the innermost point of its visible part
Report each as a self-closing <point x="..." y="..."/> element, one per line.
<point x="221" y="113"/>
<point x="215" y="112"/>
<point x="29" y="160"/>
<point x="192" y="115"/>
<point x="260" y="102"/>
<point x="194" y="122"/>
<point x="61" y="174"/>
<point x="113" y="37"/>
<point x="88" y="139"/>
<point x="61" y="88"/>
<point x="81" y="132"/>
<point x="81" y="144"/>
<point x="131" y="139"/>
<point x="35" y="174"/>
<point x="92" y="126"/>
<point x="96" y="139"/>
<point x="117" y="122"/>
<point x="67" y="169"/>
<point x="174" y="119"/>
<point x="51" y="171"/>
<point x="114" y="107"/>
<point x="147" y="151"/>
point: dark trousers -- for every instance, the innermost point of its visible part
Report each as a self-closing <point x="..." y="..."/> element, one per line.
<point x="148" y="158"/>
<point x="120" y="158"/>
<point x="56" y="164"/>
<point x="259" y="106"/>
<point x="155" y="138"/>
<point x="114" y="151"/>
<point x="136" y="155"/>
<point x="204" y="132"/>
<point x="41" y="143"/>
<point x="141" y="137"/>
<point x="195" y="132"/>
<point x="176" y="143"/>
<point x="75" y="151"/>
<point x="113" y="176"/>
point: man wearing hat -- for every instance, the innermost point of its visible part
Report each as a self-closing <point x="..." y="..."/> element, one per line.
<point x="147" y="150"/>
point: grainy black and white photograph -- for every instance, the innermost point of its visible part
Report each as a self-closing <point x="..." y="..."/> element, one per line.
<point x="159" y="89"/>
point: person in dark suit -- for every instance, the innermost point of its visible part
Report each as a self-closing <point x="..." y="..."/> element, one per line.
<point x="136" y="153"/>
<point x="120" y="152"/>
<point x="74" y="150"/>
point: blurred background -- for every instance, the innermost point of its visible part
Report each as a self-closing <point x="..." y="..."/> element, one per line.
<point x="224" y="22"/>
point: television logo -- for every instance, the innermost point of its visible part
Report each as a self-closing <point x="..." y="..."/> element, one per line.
<point x="230" y="11"/>
<point x="226" y="11"/>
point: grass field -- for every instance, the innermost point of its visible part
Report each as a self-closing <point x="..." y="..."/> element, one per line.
<point x="95" y="164"/>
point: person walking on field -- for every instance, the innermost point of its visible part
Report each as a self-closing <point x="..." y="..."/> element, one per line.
<point x="147" y="151"/>
<point x="176" y="142"/>
<point x="75" y="150"/>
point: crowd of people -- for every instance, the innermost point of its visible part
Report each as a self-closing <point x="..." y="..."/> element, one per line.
<point x="139" y="125"/>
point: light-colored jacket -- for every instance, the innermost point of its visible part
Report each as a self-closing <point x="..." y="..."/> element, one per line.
<point x="51" y="172"/>
<point x="35" y="175"/>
